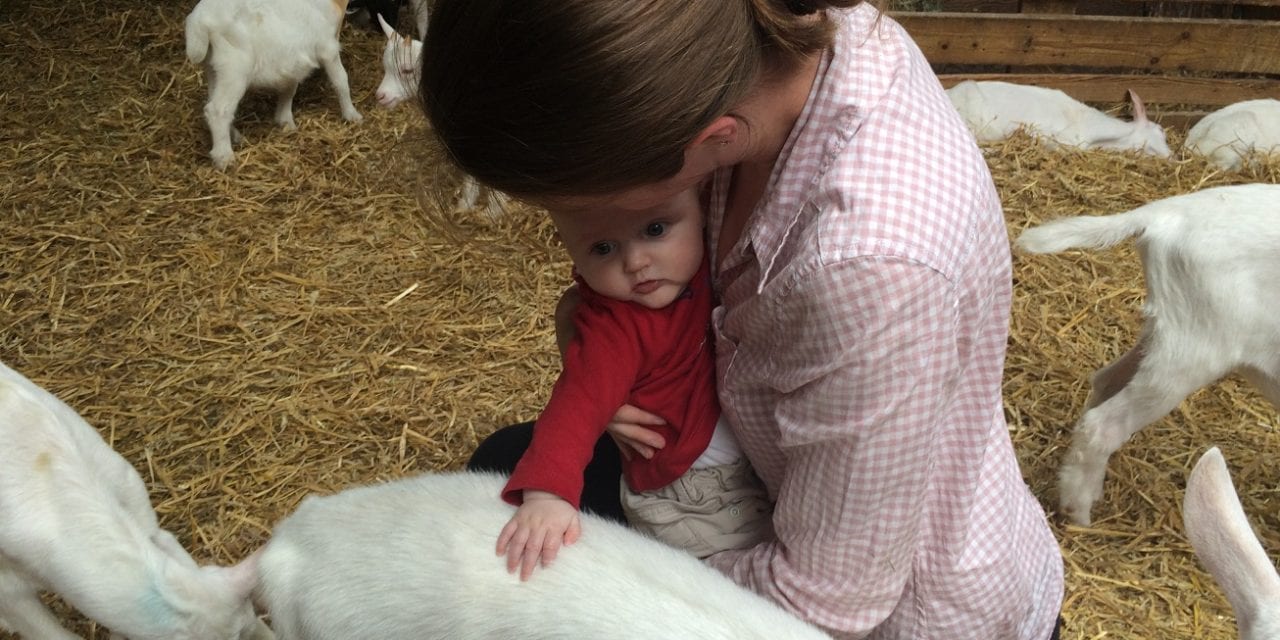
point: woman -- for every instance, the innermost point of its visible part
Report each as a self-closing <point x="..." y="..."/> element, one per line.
<point x="859" y="257"/>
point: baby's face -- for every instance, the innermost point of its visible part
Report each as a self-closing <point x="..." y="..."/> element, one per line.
<point x="647" y="257"/>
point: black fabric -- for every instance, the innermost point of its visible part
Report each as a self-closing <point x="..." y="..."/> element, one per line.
<point x="1057" y="630"/>
<point x="601" y="480"/>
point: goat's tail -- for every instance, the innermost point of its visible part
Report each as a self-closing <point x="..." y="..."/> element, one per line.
<point x="197" y="35"/>
<point x="1091" y="232"/>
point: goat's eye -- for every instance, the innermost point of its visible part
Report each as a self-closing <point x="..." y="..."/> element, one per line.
<point x="407" y="71"/>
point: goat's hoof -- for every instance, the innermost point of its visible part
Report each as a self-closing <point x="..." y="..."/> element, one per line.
<point x="222" y="160"/>
<point x="1076" y="495"/>
<point x="1078" y="514"/>
<point x="352" y="116"/>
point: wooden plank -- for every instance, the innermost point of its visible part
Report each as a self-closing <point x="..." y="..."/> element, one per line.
<point x="1177" y="119"/>
<point x="1254" y="3"/>
<point x="987" y="6"/>
<point x="1103" y="42"/>
<point x="1067" y="7"/>
<point x="1153" y="89"/>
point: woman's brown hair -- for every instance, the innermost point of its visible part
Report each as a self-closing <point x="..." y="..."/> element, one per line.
<point x="544" y="98"/>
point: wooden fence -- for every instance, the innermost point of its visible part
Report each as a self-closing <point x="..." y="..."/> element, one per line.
<point x="1181" y="66"/>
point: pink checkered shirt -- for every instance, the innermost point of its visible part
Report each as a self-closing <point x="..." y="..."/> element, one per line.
<point x="860" y="344"/>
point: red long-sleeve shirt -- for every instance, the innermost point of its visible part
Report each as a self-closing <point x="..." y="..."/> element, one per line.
<point x="659" y="360"/>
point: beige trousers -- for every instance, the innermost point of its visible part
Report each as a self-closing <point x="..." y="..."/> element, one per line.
<point x="705" y="511"/>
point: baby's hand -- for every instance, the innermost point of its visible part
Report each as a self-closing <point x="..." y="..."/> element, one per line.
<point x="536" y="531"/>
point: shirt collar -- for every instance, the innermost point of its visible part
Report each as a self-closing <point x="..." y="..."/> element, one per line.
<point x="824" y="124"/>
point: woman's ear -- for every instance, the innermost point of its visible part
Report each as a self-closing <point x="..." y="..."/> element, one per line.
<point x="722" y="131"/>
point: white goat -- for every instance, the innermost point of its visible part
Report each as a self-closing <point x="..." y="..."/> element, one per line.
<point x="414" y="560"/>
<point x="401" y="66"/>
<point x="1229" y="136"/>
<point x="75" y="518"/>
<point x="994" y="110"/>
<point x="1223" y="540"/>
<point x="1213" y="307"/>
<point x="270" y="44"/>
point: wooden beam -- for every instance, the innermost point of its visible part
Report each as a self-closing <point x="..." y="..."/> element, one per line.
<point x="1107" y="88"/>
<point x="989" y="6"/>
<point x="1067" y="7"/>
<point x="1103" y="42"/>
<point x="1255" y="3"/>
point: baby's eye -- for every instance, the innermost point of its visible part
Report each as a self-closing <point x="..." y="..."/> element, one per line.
<point x="602" y="248"/>
<point x="655" y="229"/>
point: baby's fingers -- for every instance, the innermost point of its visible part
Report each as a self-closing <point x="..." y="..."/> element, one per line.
<point x="505" y="536"/>
<point x="549" y="550"/>
<point x="517" y="549"/>
<point x="532" y="551"/>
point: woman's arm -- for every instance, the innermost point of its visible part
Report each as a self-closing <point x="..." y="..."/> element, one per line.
<point x="864" y="382"/>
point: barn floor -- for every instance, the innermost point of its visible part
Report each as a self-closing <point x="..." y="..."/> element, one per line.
<point x="313" y="318"/>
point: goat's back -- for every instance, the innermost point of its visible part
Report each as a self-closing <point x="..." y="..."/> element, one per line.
<point x="55" y="470"/>
<point x="271" y="42"/>
<point x="415" y="559"/>
<point x="1229" y="134"/>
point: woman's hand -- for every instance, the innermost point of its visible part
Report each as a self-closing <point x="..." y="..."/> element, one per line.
<point x="631" y="431"/>
<point x="534" y="534"/>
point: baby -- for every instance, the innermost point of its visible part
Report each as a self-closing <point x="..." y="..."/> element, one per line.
<point x="640" y="337"/>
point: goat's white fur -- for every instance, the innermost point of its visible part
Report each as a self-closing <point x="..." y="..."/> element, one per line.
<point x="993" y="110"/>
<point x="1220" y="533"/>
<point x="75" y="518"/>
<point x="1213" y="307"/>
<point x="414" y="559"/>
<point x="401" y="68"/>
<point x="1234" y="134"/>
<point x="269" y="44"/>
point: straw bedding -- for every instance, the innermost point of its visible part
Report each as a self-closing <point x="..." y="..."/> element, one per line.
<point x="307" y="321"/>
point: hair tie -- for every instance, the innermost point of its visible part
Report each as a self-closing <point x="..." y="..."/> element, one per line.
<point x="801" y="7"/>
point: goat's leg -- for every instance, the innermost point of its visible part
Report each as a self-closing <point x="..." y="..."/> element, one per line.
<point x="469" y="196"/>
<point x="1266" y="382"/>
<point x="1109" y="380"/>
<point x="1132" y="392"/>
<point x="21" y="611"/>
<point x="338" y="79"/>
<point x="225" y="93"/>
<point x="284" y="107"/>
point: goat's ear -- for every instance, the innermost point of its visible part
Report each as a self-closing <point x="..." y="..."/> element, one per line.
<point x="1139" y="109"/>
<point x="1224" y="541"/>
<point x="386" y="28"/>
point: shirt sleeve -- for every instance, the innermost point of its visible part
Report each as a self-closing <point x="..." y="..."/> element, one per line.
<point x="870" y="363"/>
<point x="601" y="364"/>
